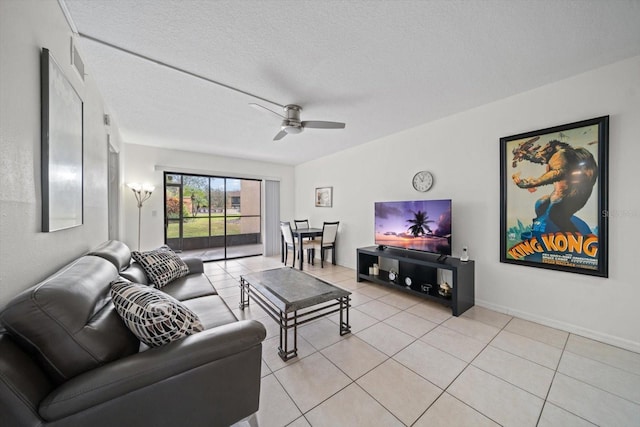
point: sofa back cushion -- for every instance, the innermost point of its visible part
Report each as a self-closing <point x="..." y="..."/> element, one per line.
<point x="119" y="254"/>
<point x="135" y="273"/>
<point x="114" y="251"/>
<point x="68" y="322"/>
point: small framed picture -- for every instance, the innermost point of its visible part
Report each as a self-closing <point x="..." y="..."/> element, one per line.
<point x="324" y="197"/>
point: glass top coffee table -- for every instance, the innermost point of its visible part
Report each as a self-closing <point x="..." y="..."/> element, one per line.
<point x="293" y="298"/>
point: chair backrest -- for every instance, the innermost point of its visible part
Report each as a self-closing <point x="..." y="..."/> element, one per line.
<point x="301" y="223"/>
<point x="285" y="227"/>
<point x="329" y="232"/>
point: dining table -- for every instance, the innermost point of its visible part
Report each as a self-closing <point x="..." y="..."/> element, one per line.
<point x="301" y="234"/>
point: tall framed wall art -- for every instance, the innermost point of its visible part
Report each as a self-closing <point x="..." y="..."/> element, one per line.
<point x="554" y="198"/>
<point x="62" y="148"/>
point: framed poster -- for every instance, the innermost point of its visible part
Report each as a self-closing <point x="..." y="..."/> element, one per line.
<point x="554" y="201"/>
<point x="62" y="145"/>
<point x="324" y="197"/>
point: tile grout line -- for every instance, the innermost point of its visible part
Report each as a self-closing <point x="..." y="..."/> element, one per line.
<point x="415" y="339"/>
<point x="445" y="390"/>
<point x="391" y="357"/>
<point x="464" y="369"/>
<point x="546" y="398"/>
<point x="352" y="381"/>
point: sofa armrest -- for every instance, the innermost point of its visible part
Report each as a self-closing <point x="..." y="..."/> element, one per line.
<point x="23" y="385"/>
<point x="144" y="370"/>
<point x="195" y="265"/>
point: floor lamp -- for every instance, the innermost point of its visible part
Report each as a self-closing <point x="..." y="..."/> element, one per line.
<point x="142" y="193"/>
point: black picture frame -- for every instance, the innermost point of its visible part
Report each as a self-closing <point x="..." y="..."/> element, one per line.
<point x="62" y="148"/>
<point x="554" y="198"/>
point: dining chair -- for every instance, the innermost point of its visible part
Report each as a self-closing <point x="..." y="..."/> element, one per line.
<point x="304" y="223"/>
<point x="327" y="242"/>
<point x="289" y="241"/>
<point x="301" y="223"/>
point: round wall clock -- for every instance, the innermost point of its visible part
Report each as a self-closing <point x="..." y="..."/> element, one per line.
<point x="423" y="181"/>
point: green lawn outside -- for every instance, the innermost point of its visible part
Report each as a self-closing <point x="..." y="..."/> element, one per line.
<point x="199" y="226"/>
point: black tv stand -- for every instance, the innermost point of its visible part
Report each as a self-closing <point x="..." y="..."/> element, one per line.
<point x="381" y="247"/>
<point x="422" y="269"/>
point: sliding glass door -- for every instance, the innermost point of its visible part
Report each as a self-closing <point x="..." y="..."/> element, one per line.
<point x="213" y="217"/>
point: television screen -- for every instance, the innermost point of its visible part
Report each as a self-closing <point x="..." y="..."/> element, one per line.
<point x="422" y="225"/>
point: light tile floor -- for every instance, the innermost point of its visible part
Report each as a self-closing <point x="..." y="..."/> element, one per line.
<point x="408" y="362"/>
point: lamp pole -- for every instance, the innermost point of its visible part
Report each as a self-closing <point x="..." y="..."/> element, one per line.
<point x="142" y="193"/>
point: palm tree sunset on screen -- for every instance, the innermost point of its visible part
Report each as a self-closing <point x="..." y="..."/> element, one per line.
<point x="420" y="223"/>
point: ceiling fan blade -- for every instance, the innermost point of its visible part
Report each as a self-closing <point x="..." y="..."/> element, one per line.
<point x="280" y="135"/>
<point x="323" y="125"/>
<point x="258" y="106"/>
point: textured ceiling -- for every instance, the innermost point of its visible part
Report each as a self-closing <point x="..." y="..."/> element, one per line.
<point x="379" y="66"/>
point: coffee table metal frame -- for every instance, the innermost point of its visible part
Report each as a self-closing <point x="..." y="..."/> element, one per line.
<point x="291" y="319"/>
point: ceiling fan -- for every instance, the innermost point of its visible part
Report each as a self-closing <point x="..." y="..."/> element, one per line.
<point x="291" y="123"/>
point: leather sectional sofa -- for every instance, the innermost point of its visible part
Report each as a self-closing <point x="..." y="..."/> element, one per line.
<point x="67" y="358"/>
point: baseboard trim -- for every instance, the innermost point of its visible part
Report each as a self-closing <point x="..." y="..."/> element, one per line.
<point x="568" y="327"/>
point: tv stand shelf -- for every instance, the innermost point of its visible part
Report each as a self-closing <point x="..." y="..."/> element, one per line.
<point x="422" y="268"/>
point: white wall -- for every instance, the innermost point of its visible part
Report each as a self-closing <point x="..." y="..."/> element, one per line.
<point x="26" y="254"/>
<point x="147" y="164"/>
<point x="463" y="153"/>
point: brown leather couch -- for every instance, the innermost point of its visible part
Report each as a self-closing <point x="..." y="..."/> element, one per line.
<point x="67" y="359"/>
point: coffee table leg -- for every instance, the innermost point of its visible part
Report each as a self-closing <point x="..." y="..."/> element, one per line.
<point x="345" y="327"/>
<point x="244" y="294"/>
<point x="295" y="332"/>
<point x="282" y="348"/>
<point x="283" y="351"/>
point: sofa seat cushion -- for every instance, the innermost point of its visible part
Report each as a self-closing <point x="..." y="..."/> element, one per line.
<point x="153" y="316"/>
<point x="191" y="286"/>
<point x="212" y="311"/>
<point x="67" y="321"/>
<point x="161" y="265"/>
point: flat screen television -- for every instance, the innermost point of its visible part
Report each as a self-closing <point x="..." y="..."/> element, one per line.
<point x="421" y="225"/>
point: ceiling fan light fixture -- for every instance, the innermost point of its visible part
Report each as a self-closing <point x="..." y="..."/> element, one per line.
<point x="292" y="129"/>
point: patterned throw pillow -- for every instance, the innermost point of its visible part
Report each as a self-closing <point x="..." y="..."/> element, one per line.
<point x="153" y="316"/>
<point x="161" y="265"/>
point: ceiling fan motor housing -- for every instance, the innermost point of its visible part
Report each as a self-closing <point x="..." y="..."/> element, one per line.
<point x="292" y="124"/>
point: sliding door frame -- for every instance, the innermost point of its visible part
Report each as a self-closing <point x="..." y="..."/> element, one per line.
<point x="228" y="202"/>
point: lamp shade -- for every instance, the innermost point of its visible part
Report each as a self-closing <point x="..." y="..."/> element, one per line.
<point x="137" y="187"/>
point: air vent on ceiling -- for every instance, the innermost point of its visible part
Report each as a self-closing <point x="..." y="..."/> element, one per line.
<point x="76" y="60"/>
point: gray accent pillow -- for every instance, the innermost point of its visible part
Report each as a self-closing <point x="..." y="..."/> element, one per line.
<point x="153" y="316"/>
<point x="161" y="265"/>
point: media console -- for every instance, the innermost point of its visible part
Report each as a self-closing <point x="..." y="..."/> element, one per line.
<point x="422" y="269"/>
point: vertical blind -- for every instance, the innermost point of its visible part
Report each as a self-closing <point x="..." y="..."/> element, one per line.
<point x="272" y="218"/>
